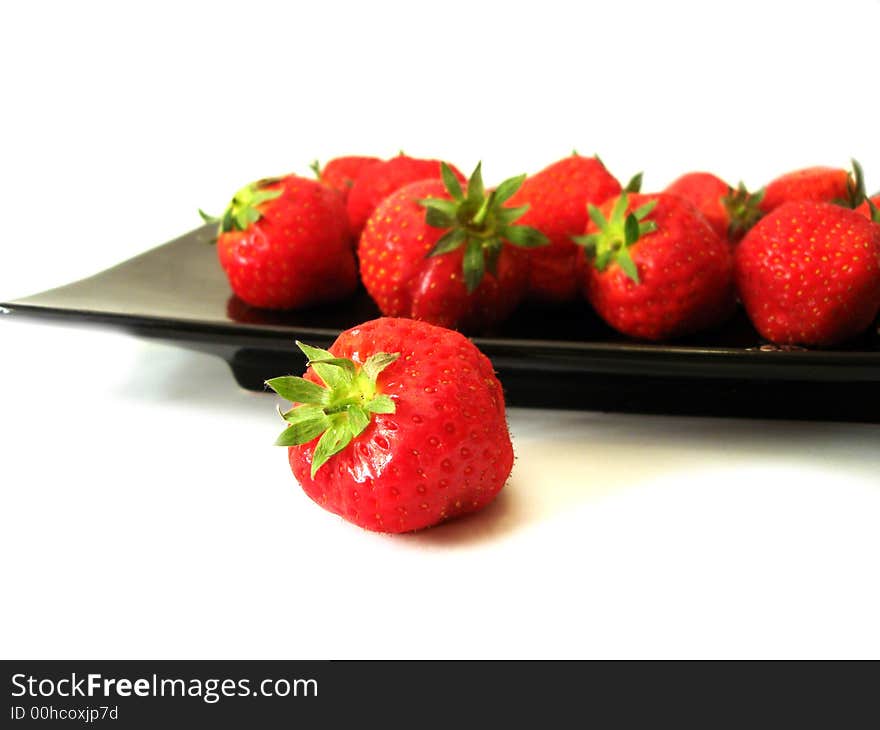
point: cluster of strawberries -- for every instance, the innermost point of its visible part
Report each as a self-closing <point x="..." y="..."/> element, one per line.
<point x="401" y="424"/>
<point x="802" y="254"/>
<point x="805" y="249"/>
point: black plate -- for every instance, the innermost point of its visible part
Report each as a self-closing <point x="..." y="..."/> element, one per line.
<point x="568" y="358"/>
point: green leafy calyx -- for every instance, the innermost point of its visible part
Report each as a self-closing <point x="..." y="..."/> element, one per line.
<point x="243" y="210"/>
<point x="337" y="411"/>
<point x="635" y="183"/>
<point x="743" y="208"/>
<point x="616" y="235"/>
<point x="855" y="188"/>
<point x="479" y="221"/>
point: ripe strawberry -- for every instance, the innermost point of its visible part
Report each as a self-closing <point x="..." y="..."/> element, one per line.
<point x="432" y="252"/>
<point x="730" y="211"/>
<point x="809" y="274"/>
<point x="660" y="277"/>
<point x="377" y="182"/>
<point x="284" y="244"/>
<point x="557" y="200"/>
<point x="341" y="172"/>
<point x="408" y="431"/>
<point x="819" y="184"/>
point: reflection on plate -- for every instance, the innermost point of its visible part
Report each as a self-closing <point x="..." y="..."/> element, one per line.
<point x="547" y="358"/>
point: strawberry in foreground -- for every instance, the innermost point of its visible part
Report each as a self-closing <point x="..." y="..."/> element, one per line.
<point x="809" y="274"/>
<point x="730" y="211"/>
<point x="284" y="244"/>
<point x="818" y="184"/>
<point x="377" y="182"/>
<point x="399" y="426"/>
<point x="341" y="172"/>
<point x="557" y="197"/>
<point x="434" y="252"/>
<point x="655" y="269"/>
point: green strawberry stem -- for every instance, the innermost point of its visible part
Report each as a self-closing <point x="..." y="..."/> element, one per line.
<point x="743" y="208"/>
<point x="617" y="235"/>
<point x="480" y="216"/>
<point x="855" y="187"/>
<point x="243" y="209"/>
<point x="479" y="221"/>
<point x="337" y="412"/>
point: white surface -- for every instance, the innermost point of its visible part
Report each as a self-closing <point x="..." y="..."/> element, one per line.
<point x="143" y="512"/>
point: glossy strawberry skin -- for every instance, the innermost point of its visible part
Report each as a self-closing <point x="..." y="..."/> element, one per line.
<point x="405" y="282"/>
<point x="446" y="450"/>
<point x="809" y="274"/>
<point x="557" y="197"/>
<point x="706" y="191"/>
<point x="818" y="184"/>
<point x="685" y="270"/>
<point x="377" y="182"/>
<point x="298" y="254"/>
<point x="341" y="172"/>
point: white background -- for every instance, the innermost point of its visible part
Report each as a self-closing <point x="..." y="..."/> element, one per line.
<point x="143" y="511"/>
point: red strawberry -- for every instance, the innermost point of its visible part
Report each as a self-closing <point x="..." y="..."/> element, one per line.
<point x="557" y="200"/>
<point x="819" y="184"/>
<point x="431" y="252"/>
<point x="377" y="182"/>
<point x="341" y="172"/>
<point x="809" y="273"/>
<point x="284" y="244"/>
<point x="730" y="211"/>
<point x="660" y="277"/>
<point x="705" y="191"/>
<point x="409" y="431"/>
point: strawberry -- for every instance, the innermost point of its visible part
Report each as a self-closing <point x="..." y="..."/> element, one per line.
<point x="284" y="244"/>
<point x="557" y="200"/>
<point x="432" y="252"/>
<point x="398" y="426"/>
<point x="819" y="184"/>
<point x="377" y="182"/>
<point x="730" y="211"/>
<point x="809" y="274"/>
<point x="341" y="172"/>
<point x="660" y="277"/>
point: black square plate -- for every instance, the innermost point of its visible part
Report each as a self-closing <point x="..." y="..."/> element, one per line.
<point x="545" y="358"/>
